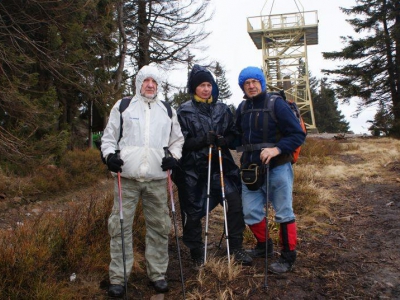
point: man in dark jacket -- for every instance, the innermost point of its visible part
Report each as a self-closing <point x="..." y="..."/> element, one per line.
<point x="266" y="141"/>
<point x="206" y="121"/>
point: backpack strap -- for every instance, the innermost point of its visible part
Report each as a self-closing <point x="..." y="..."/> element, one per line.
<point x="271" y="105"/>
<point x="267" y="110"/>
<point x="122" y="106"/>
<point x="254" y="147"/>
<point x="168" y="107"/>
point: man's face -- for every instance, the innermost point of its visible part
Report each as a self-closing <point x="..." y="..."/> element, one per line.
<point x="204" y="90"/>
<point x="149" y="88"/>
<point x="252" y="87"/>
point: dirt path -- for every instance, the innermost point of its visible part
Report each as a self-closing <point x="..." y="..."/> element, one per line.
<point x="359" y="258"/>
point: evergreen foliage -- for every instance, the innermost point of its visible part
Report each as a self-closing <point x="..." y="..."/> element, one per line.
<point x="382" y="121"/>
<point x="374" y="72"/>
<point x="327" y="115"/>
<point x="48" y="50"/>
<point x="223" y="85"/>
<point x="62" y="66"/>
<point x="180" y="98"/>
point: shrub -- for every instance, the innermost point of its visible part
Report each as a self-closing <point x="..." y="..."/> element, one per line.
<point x="50" y="179"/>
<point x="82" y="166"/>
<point x="318" y="151"/>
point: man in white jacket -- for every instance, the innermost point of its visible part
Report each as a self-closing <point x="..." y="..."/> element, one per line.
<point x="146" y="130"/>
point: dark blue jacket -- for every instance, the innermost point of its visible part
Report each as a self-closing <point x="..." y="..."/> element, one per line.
<point x="286" y="133"/>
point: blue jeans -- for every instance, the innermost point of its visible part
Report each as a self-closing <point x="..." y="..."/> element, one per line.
<point x="280" y="195"/>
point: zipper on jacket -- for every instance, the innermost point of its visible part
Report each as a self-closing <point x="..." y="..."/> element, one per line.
<point x="256" y="121"/>
<point x="149" y="105"/>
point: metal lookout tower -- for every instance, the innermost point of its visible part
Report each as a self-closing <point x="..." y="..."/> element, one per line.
<point x="283" y="39"/>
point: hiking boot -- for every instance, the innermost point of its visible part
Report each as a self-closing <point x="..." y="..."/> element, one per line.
<point x="116" y="290"/>
<point x="242" y="257"/>
<point x="259" y="250"/>
<point x="160" y="286"/>
<point x="198" y="263"/>
<point x="197" y="255"/>
<point x="281" y="266"/>
<point x="285" y="262"/>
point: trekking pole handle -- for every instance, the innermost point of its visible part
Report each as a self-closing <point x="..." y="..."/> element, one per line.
<point x="166" y="152"/>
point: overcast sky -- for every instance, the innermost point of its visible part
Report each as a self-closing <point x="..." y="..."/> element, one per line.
<point x="232" y="47"/>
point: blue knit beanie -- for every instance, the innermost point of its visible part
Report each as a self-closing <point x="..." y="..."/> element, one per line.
<point x="254" y="73"/>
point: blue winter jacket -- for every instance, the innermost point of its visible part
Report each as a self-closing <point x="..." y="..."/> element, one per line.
<point x="286" y="133"/>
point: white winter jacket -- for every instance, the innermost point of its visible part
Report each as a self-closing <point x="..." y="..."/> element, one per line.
<point x="147" y="128"/>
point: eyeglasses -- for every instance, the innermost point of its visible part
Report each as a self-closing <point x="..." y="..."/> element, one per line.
<point x="251" y="82"/>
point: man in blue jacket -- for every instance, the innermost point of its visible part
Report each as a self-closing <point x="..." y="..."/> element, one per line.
<point x="266" y="141"/>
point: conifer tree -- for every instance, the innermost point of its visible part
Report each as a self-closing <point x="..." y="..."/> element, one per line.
<point x="223" y="85"/>
<point x="382" y="121"/>
<point x="327" y="115"/>
<point x="373" y="71"/>
<point x="51" y="57"/>
<point x="179" y="98"/>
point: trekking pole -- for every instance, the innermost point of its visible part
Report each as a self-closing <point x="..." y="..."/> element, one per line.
<point x="171" y="196"/>
<point x="224" y="204"/>
<point x="121" y="218"/>
<point x="266" y="228"/>
<point x="208" y="202"/>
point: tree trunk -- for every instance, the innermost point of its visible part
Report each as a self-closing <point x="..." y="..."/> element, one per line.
<point x="144" y="38"/>
<point x="396" y="97"/>
<point x="123" y="45"/>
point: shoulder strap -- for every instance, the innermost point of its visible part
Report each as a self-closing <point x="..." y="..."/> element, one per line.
<point x="168" y="107"/>
<point x="122" y="106"/>
<point x="243" y="104"/>
<point x="271" y="105"/>
<point x="244" y="110"/>
<point x="124" y="103"/>
<point x="267" y="112"/>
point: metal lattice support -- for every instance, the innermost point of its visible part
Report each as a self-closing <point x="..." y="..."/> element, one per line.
<point x="283" y="39"/>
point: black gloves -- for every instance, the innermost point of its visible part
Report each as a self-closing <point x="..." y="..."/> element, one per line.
<point x="114" y="163"/>
<point x="210" y="138"/>
<point x="168" y="163"/>
<point x="220" y="142"/>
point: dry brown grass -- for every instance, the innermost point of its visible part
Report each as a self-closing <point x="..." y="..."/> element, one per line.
<point x="76" y="169"/>
<point x="215" y="276"/>
<point x="316" y="174"/>
<point x="38" y="256"/>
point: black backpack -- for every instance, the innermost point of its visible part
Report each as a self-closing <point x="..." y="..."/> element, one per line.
<point x="122" y="106"/>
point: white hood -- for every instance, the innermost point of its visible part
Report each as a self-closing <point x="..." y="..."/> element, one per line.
<point x="147" y="72"/>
